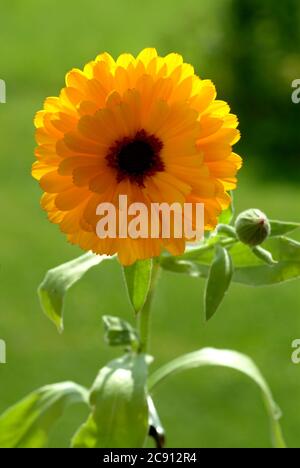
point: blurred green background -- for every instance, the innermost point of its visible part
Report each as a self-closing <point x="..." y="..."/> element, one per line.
<point x="250" y="49"/>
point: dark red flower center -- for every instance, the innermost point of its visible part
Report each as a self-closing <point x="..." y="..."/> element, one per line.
<point x="136" y="158"/>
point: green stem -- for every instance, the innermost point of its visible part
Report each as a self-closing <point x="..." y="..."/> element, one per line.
<point x="210" y="246"/>
<point x="144" y="314"/>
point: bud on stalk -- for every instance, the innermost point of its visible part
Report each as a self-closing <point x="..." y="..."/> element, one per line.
<point x="252" y="227"/>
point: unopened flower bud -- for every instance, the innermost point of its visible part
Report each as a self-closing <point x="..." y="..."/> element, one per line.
<point x="252" y="227"/>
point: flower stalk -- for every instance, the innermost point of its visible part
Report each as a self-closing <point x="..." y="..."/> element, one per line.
<point x="143" y="318"/>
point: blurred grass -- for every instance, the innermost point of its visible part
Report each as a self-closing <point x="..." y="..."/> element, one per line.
<point x="40" y="41"/>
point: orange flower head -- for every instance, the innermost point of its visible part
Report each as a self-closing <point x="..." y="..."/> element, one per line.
<point x="147" y="127"/>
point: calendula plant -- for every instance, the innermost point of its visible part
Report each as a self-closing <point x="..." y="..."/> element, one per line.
<point x="122" y="411"/>
<point x="150" y="129"/>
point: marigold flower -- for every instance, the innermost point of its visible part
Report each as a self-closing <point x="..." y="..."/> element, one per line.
<point x="147" y="127"/>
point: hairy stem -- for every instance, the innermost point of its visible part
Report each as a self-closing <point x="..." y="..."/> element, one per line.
<point x="144" y="315"/>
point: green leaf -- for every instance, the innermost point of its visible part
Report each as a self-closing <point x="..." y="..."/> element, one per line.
<point x="232" y="360"/>
<point x="187" y="267"/>
<point x="58" y="280"/>
<point x="196" y="260"/>
<point x="281" y="228"/>
<point x="27" y="424"/>
<point x="138" y="278"/>
<point x="120" y="409"/>
<point x="156" y="429"/>
<point x="248" y="269"/>
<point x="119" y="333"/>
<point x="264" y="255"/>
<point x="219" y="279"/>
<point x="254" y="272"/>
